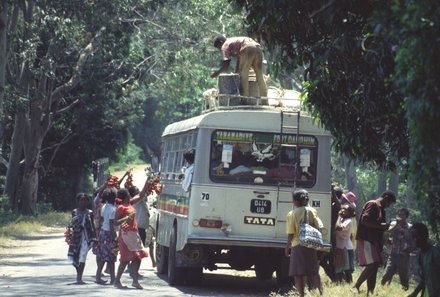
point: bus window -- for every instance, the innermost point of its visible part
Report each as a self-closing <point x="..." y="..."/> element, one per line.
<point x="262" y="158"/>
<point x="173" y="148"/>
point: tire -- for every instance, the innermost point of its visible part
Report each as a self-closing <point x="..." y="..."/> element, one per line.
<point x="176" y="275"/>
<point x="282" y="271"/>
<point x="263" y="270"/>
<point x="161" y="259"/>
<point x="194" y="275"/>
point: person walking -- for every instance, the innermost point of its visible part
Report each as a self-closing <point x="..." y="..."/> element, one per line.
<point x="107" y="238"/>
<point x="369" y="236"/>
<point x="303" y="261"/>
<point x="82" y="237"/>
<point x="248" y="54"/>
<point x="401" y="246"/>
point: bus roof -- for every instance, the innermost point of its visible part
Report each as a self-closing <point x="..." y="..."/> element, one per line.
<point x="262" y="120"/>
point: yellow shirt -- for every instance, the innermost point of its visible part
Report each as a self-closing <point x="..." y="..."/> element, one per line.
<point x="294" y="218"/>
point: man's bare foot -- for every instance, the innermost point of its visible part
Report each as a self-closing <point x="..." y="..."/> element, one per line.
<point x="137" y="286"/>
<point x="79" y="282"/>
<point x="118" y="285"/>
<point x="100" y="281"/>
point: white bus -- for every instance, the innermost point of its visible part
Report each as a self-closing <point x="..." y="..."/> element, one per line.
<point x="244" y="174"/>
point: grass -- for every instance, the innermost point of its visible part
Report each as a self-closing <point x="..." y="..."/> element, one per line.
<point x="331" y="289"/>
<point x="17" y="226"/>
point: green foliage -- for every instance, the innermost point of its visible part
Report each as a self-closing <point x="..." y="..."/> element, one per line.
<point x="373" y="77"/>
<point x="178" y="40"/>
<point x="349" y="68"/>
<point x="129" y="155"/>
<point x="415" y="25"/>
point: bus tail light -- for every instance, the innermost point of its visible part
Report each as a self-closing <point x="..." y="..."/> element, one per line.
<point x="210" y="223"/>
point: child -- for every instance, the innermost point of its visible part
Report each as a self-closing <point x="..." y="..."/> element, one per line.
<point x="429" y="263"/>
<point x="344" y="255"/>
<point x="107" y="238"/>
<point x="83" y="236"/>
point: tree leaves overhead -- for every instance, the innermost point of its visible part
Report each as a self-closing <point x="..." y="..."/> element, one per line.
<point x="349" y="67"/>
<point x="372" y="76"/>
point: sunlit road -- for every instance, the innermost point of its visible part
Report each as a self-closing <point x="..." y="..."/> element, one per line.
<point x="37" y="266"/>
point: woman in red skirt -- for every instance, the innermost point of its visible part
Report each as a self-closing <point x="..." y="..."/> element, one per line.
<point x="129" y="242"/>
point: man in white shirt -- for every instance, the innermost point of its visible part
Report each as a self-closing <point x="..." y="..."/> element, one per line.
<point x="189" y="156"/>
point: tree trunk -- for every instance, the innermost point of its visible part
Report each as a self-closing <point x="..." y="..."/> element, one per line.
<point x="29" y="189"/>
<point x="3" y="58"/>
<point x="409" y="199"/>
<point x="350" y="175"/>
<point x="12" y="183"/>
<point x="381" y="182"/>
<point x="35" y="131"/>
<point x="394" y="182"/>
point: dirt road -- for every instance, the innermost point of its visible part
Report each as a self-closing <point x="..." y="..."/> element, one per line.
<point x="37" y="266"/>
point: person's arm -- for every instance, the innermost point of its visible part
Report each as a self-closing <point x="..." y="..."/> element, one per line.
<point x="223" y="68"/>
<point x="288" y="245"/>
<point x="124" y="176"/>
<point x="142" y="194"/>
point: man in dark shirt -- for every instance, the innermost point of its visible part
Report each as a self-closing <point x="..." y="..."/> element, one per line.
<point x="369" y="236"/>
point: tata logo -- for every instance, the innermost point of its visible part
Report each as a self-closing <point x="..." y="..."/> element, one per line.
<point x="259" y="221"/>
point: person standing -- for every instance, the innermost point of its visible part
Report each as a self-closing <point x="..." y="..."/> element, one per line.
<point x="248" y="54"/>
<point x="83" y="236"/>
<point x="129" y="242"/>
<point x="344" y="255"/>
<point x="429" y="263"/>
<point x="107" y="238"/>
<point x="401" y="246"/>
<point x="369" y="236"/>
<point x="303" y="261"/>
<point x="189" y="156"/>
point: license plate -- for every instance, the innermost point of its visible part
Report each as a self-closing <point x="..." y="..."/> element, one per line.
<point x="261" y="206"/>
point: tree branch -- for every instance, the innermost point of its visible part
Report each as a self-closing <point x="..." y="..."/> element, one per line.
<point x="89" y="50"/>
<point x="57" y="147"/>
<point x="67" y="108"/>
<point x="321" y="9"/>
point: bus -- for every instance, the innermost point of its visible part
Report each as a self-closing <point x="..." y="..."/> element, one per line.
<point x="248" y="160"/>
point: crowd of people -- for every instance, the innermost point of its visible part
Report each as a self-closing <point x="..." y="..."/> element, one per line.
<point x="125" y="210"/>
<point x="366" y="236"/>
<point x="117" y="226"/>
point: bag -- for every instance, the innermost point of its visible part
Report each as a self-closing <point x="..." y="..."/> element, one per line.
<point x="311" y="237"/>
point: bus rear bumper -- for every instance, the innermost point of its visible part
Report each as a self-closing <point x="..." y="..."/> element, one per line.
<point x="243" y="241"/>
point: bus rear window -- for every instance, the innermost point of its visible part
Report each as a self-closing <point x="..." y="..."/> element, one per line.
<point x="262" y="158"/>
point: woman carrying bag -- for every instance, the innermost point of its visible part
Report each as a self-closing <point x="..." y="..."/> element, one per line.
<point x="303" y="260"/>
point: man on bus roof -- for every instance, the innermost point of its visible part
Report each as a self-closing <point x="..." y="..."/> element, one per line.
<point x="248" y="54"/>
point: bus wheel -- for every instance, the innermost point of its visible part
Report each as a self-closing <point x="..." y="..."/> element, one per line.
<point x="194" y="275"/>
<point x="161" y="259"/>
<point x="283" y="278"/>
<point x="263" y="270"/>
<point x="175" y="274"/>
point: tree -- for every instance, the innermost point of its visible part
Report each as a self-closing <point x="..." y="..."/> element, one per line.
<point x="178" y="37"/>
<point x="370" y="75"/>
<point x="50" y="54"/>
